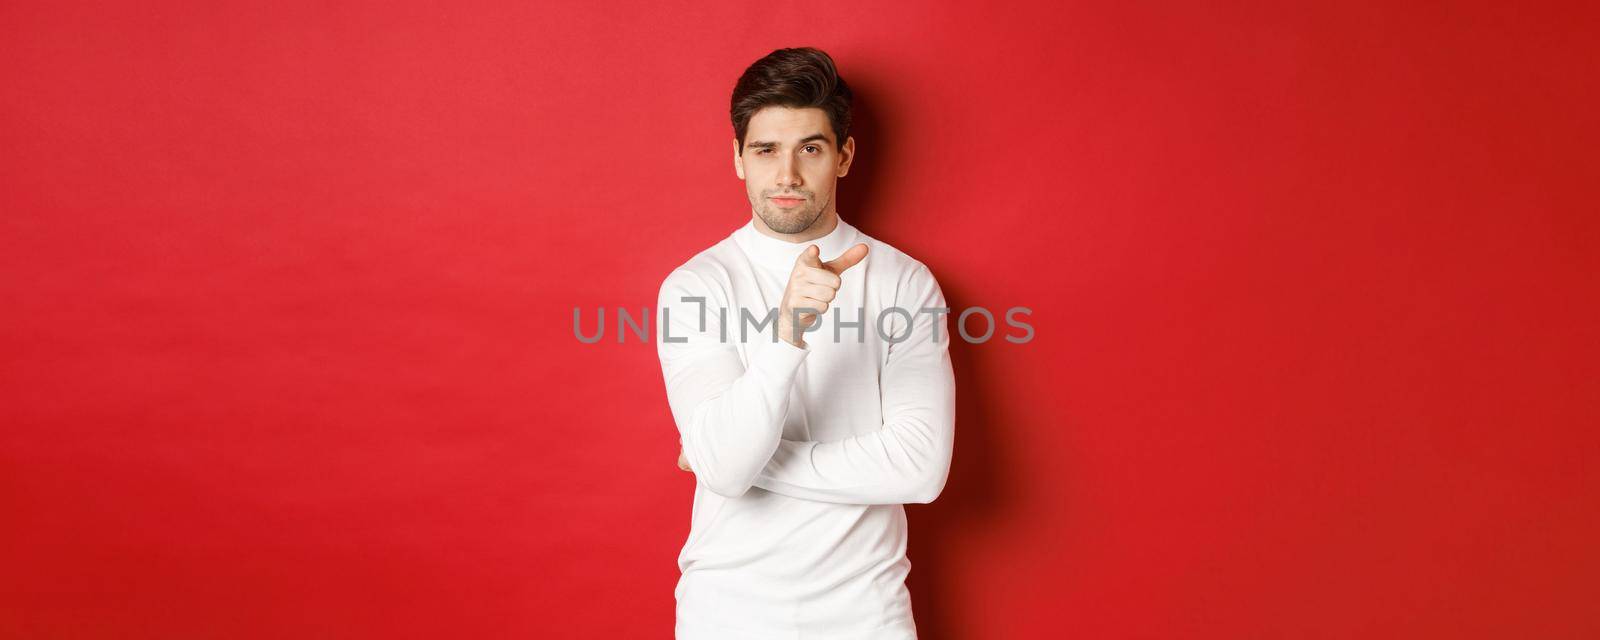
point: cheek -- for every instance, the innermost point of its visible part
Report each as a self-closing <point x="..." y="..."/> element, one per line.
<point x="820" y="174"/>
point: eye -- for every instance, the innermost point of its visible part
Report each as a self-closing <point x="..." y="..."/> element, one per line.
<point x="811" y="148"/>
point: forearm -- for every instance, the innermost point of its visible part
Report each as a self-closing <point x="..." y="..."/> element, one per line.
<point x="734" y="430"/>
<point x="906" y="461"/>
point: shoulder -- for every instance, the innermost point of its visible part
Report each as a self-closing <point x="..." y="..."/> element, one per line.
<point x="890" y="265"/>
<point x="703" y="273"/>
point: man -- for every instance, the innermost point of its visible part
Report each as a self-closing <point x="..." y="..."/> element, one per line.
<point x="805" y="436"/>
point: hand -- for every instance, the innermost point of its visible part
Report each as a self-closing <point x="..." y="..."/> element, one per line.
<point x="683" y="463"/>
<point x="812" y="285"/>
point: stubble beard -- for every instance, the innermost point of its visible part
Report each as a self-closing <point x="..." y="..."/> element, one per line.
<point x="793" y="220"/>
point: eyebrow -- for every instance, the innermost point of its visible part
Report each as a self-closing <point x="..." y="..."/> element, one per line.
<point x="767" y="144"/>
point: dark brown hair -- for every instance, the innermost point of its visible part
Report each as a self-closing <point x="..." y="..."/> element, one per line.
<point x="796" y="78"/>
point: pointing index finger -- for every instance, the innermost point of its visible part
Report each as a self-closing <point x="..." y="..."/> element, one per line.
<point x="849" y="259"/>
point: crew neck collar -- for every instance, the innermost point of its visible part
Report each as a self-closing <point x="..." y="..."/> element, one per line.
<point x="779" y="254"/>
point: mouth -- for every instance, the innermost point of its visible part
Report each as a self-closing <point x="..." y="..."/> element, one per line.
<point x="787" y="202"/>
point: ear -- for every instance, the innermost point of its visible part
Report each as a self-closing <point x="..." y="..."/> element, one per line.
<point x="847" y="153"/>
<point x="738" y="160"/>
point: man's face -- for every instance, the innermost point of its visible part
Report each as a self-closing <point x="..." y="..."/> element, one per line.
<point x="790" y="165"/>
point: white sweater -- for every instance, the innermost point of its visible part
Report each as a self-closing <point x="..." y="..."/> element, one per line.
<point x="803" y="457"/>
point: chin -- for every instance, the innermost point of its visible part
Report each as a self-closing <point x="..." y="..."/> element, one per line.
<point x="789" y="222"/>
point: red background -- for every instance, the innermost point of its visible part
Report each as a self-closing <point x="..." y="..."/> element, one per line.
<point x="288" y="288"/>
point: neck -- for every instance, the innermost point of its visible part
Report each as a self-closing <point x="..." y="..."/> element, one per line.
<point x="823" y="225"/>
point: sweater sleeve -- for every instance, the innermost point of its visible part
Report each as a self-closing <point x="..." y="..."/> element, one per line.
<point x="908" y="459"/>
<point x="729" y="417"/>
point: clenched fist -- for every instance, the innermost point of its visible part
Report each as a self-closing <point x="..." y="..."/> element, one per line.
<point x="812" y="285"/>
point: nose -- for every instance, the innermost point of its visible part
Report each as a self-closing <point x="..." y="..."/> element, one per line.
<point x="788" y="174"/>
